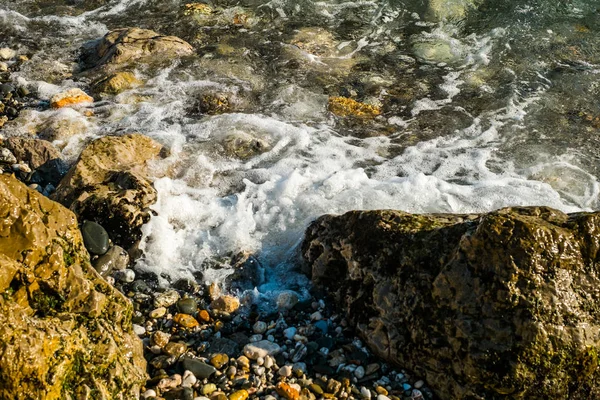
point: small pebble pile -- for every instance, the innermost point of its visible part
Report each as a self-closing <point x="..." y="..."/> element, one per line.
<point x="201" y="344"/>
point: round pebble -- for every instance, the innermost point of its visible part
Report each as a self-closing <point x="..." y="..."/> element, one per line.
<point x="259" y="327"/>
<point x="95" y="237"/>
<point x="286" y="371"/>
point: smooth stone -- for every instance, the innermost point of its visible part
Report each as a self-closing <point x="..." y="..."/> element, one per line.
<point x="139" y="330"/>
<point x="299" y="367"/>
<point x="365" y="393"/>
<point x="406" y="386"/>
<point x="285" y="371"/>
<point x="219" y="360"/>
<point x="316" y="389"/>
<point x="158" y="312"/>
<point x="198" y="368"/>
<point x="269" y="362"/>
<point x="261" y="348"/>
<point x="175" y="349"/>
<point x="186" y="321"/>
<point x="6" y="156"/>
<point x="239" y="395"/>
<point x="115" y="259"/>
<point x="95" y="237"/>
<point x="160" y="338"/>
<point x="226" y="303"/>
<point x="419" y="384"/>
<point x="208" y="389"/>
<point x="359" y="373"/>
<point x="204" y="316"/>
<point x="290" y="332"/>
<point x="382" y="397"/>
<point x="259" y="327"/>
<point x="6" y="53"/>
<point x="243" y="362"/>
<point x="322" y="325"/>
<point x="187" y="306"/>
<point x="149" y="393"/>
<point x="6" y="88"/>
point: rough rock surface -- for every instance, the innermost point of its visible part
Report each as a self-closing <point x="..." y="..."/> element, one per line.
<point x="499" y="305"/>
<point x="125" y="45"/>
<point x="34" y="152"/>
<point x="65" y="333"/>
<point x="109" y="185"/>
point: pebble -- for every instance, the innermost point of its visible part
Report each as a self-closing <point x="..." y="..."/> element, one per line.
<point x="186" y="321"/>
<point x="365" y="393"/>
<point x="285" y="371"/>
<point x="262" y="348"/>
<point x="160" y="338"/>
<point x="316" y="316"/>
<point x="359" y="373"/>
<point x="139" y="330"/>
<point x="419" y="384"/>
<point x="243" y="362"/>
<point x="166" y="299"/>
<point x="149" y="393"/>
<point x="115" y="259"/>
<point x="158" y="312"/>
<point x="219" y="360"/>
<point x="95" y="237"/>
<point x="70" y="97"/>
<point x="3" y="66"/>
<point x="290" y="332"/>
<point x="175" y="349"/>
<point x="6" y="156"/>
<point x="322" y="325"/>
<point x="382" y="397"/>
<point x="269" y="362"/>
<point x="208" y="389"/>
<point x="200" y="369"/>
<point x="316" y="389"/>
<point x="287" y="391"/>
<point x="287" y="300"/>
<point x="226" y="303"/>
<point x="259" y="327"/>
<point x="187" y="306"/>
<point x="7" y="53"/>
<point x="204" y="316"/>
<point x="239" y="395"/>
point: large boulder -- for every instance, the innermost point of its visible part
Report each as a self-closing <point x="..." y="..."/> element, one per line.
<point x="109" y="184"/>
<point x="498" y="305"/>
<point x="65" y="333"/>
<point x="126" y="45"/>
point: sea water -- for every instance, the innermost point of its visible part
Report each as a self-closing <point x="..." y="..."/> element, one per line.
<point x="485" y="105"/>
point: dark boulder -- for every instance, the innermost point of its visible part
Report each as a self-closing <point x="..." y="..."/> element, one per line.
<point x="498" y="305"/>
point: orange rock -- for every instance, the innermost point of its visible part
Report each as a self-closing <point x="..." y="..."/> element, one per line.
<point x="204" y="316"/>
<point x="69" y="98"/>
<point x="226" y="303"/>
<point x="345" y="107"/>
<point x="285" y="390"/>
<point x="186" y="321"/>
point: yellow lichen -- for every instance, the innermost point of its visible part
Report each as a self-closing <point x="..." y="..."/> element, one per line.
<point x="197" y="8"/>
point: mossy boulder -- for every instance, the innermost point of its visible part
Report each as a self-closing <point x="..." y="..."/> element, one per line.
<point x="110" y="184"/>
<point x="491" y="306"/>
<point x="65" y="333"/>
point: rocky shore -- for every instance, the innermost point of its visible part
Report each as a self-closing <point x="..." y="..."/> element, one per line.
<point x="498" y="305"/>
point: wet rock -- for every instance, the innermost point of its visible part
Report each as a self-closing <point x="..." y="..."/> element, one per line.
<point x="71" y="97"/>
<point x="219" y="360"/>
<point x="33" y="152"/>
<point x="125" y="276"/>
<point x="346" y="107"/>
<point x="7" y="53"/>
<point x="94" y="237"/>
<point x="262" y="349"/>
<point x="186" y="321"/>
<point x="7" y="157"/>
<point x="175" y="349"/>
<point x="50" y="173"/>
<point x="187" y="306"/>
<point x="239" y="395"/>
<point x="63" y="125"/>
<point x="198" y="368"/>
<point x="226" y="303"/>
<point x="450" y="10"/>
<point x="287" y="391"/>
<point x="117" y="83"/>
<point x="166" y="298"/>
<point x="109" y="184"/>
<point x="48" y="283"/>
<point x="160" y="339"/>
<point x="123" y="46"/>
<point x="244" y="146"/>
<point x="115" y="259"/>
<point x="509" y="299"/>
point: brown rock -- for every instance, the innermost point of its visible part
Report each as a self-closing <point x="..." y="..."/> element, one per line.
<point x="123" y="46"/>
<point x="226" y="303"/>
<point x="288" y="392"/>
<point x="109" y="184"/>
<point x="34" y="152"/>
<point x="70" y="98"/>
<point x="117" y="83"/>
<point x="186" y="321"/>
<point x="63" y="329"/>
<point x="204" y="316"/>
<point x="498" y="305"/>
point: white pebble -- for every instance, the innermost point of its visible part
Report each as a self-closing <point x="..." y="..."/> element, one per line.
<point x="139" y="330"/>
<point x="3" y="67"/>
<point x="268" y="362"/>
<point x="316" y="316"/>
<point x="148" y="393"/>
<point x="260" y="327"/>
<point x="259" y="371"/>
<point x="126" y="275"/>
<point x="7" y="54"/>
<point x="267" y="397"/>
<point x="290" y="332"/>
<point x="338" y="330"/>
<point x="260" y="361"/>
<point x="419" y="384"/>
<point x="321" y="304"/>
<point x="382" y="397"/>
<point x="365" y="393"/>
<point x="286" y="371"/>
<point x="189" y="379"/>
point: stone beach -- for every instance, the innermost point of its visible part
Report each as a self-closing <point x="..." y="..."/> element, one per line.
<point x="330" y="200"/>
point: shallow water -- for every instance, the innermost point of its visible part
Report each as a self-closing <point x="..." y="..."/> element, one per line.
<point x="483" y="107"/>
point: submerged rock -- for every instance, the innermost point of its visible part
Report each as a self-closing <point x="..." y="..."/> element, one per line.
<point x="483" y="306"/>
<point x="109" y="184"/>
<point x="117" y="83"/>
<point x="125" y="45"/>
<point x="63" y="330"/>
